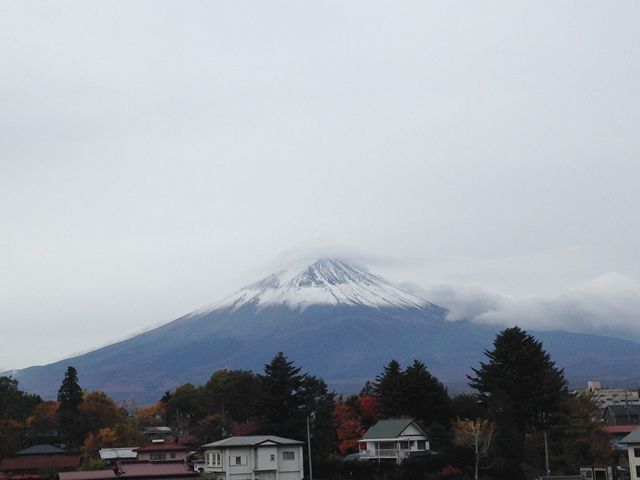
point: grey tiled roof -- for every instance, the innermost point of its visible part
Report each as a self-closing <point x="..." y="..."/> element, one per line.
<point x="633" y="437"/>
<point x="251" y="440"/>
<point x="41" y="450"/>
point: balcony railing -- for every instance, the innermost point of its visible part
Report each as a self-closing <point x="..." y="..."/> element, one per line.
<point x="385" y="453"/>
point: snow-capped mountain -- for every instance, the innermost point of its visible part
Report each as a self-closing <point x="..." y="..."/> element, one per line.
<point x="332" y="318"/>
<point x="326" y="281"/>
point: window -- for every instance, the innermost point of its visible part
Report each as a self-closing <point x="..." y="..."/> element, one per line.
<point x="422" y="445"/>
<point x="272" y="457"/>
<point x="173" y="455"/>
<point x="404" y="445"/>
<point x="238" y="460"/>
<point x="637" y="470"/>
<point x="636" y="452"/>
<point x="288" y="455"/>
<point x="156" y="456"/>
<point x="214" y="459"/>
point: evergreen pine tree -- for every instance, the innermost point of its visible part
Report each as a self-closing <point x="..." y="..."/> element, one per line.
<point x="524" y="394"/>
<point x="283" y="401"/>
<point x="70" y="393"/>
<point x="389" y="387"/>
<point x="69" y="399"/>
<point x="424" y="397"/>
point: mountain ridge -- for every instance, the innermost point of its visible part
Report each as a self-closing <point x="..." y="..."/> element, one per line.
<point x="333" y="319"/>
<point x="325" y="281"/>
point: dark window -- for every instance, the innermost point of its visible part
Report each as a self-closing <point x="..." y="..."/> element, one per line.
<point x="288" y="455"/>
<point x="637" y="470"/>
<point x="636" y="452"/>
<point x="422" y="445"/>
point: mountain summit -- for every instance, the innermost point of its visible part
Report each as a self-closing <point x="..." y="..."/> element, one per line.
<point x="333" y="319"/>
<point x="326" y="281"/>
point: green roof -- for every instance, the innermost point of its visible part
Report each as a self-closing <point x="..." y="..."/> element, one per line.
<point x="390" y="428"/>
<point x="633" y="437"/>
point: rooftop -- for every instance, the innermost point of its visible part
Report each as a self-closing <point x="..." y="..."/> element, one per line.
<point x="252" y="440"/>
<point x="115" y="453"/>
<point x="162" y="447"/>
<point x="87" y="475"/>
<point x="40" y="462"/>
<point x="633" y="437"/>
<point x="155" y="470"/>
<point x="44" y="449"/>
<point x="613" y="429"/>
<point x="390" y="428"/>
<point x="621" y="410"/>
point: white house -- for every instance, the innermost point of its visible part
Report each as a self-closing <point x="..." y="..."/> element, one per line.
<point x="393" y="440"/>
<point x="632" y="441"/>
<point x="254" y="457"/>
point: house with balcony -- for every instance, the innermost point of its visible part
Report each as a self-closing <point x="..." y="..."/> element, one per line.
<point x="254" y="457"/>
<point x="393" y="440"/>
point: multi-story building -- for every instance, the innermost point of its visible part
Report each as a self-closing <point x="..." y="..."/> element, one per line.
<point x="254" y="457"/>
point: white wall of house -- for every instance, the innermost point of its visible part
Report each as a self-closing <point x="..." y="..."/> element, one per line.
<point x="634" y="461"/>
<point x="267" y="458"/>
<point x="411" y="430"/>
<point x="240" y="462"/>
<point x="267" y="462"/>
<point x="290" y="467"/>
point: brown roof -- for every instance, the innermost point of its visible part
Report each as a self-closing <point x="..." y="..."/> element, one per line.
<point x="162" y="447"/>
<point x="40" y="462"/>
<point x="618" y="428"/>
<point x="155" y="469"/>
<point x="87" y="475"/>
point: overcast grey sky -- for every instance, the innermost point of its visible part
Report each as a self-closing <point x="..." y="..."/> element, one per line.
<point x="155" y="156"/>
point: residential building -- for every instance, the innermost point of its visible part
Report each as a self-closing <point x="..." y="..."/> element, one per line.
<point x="612" y="396"/>
<point x="393" y="440"/>
<point x="254" y="457"/>
<point x="158" y="433"/>
<point x="112" y="455"/>
<point x="33" y="466"/>
<point x="632" y="441"/>
<point x="597" y="473"/>
<point x="615" y="434"/>
<point x="621" y="415"/>
<point x="39" y="461"/>
<point x="162" y="451"/>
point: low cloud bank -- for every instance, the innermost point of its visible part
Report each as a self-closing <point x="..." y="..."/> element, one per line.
<point x="607" y="305"/>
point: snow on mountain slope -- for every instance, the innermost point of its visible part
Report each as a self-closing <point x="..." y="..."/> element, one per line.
<point x="327" y="281"/>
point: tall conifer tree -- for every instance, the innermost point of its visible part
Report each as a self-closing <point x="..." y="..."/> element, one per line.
<point x="388" y="387"/>
<point x="524" y="392"/>
<point x="69" y="399"/>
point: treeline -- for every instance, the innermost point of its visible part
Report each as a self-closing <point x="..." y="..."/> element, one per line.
<point x="83" y="421"/>
<point x="240" y="402"/>
<point x="497" y="432"/>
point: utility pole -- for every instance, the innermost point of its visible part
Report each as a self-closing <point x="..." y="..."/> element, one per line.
<point x="546" y="454"/>
<point x="309" y="449"/>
